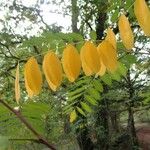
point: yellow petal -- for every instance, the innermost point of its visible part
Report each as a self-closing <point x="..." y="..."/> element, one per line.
<point x="89" y="58"/>
<point x="108" y="55"/>
<point x="73" y="116"/>
<point x="33" y="77"/>
<point x="111" y="38"/>
<point x="102" y="69"/>
<point x="52" y="70"/>
<point x="142" y="14"/>
<point x="71" y="62"/>
<point x="17" y="85"/>
<point x="126" y="33"/>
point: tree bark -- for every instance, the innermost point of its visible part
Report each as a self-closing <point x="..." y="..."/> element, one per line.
<point x="131" y="128"/>
<point x="74" y="18"/>
<point x="102" y="123"/>
<point x="100" y="25"/>
<point x="103" y="116"/>
<point x="114" y="121"/>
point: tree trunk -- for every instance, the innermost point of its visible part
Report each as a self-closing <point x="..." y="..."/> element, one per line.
<point x="100" y="25"/>
<point x="114" y="122"/>
<point x="74" y="18"/>
<point x="102" y="125"/>
<point x="102" y="121"/>
<point x="131" y="128"/>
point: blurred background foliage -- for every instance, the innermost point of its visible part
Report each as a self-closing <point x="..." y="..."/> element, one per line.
<point x="108" y="108"/>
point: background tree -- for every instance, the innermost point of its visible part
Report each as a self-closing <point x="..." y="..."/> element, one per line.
<point x="110" y="100"/>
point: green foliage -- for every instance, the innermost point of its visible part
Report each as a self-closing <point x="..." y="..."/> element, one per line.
<point x="4" y="142"/>
<point x="115" y="15"/>
<point x="86" y="107"/>
<point x="48" y="113"/>
<point x="93" y="35"/>
<point x="129" y="60"/>
<point x="83" y="96"/>
<point x="106" y="79"/>
<point x="34" y="112"/>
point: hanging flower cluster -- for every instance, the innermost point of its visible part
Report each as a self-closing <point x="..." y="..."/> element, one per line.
<point x="93" y="60"/>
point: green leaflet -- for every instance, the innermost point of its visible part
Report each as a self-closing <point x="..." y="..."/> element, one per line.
<point x="76" y="91"/>
<point x="81" y="111"/>
<point x="4" y="142"/>
<point x="115" y="76"/>
<point x="75" y="97"/>
<point x="97" y="85"/>
<point x="86" y="107"/>
<point x="115" y="15"/>
<point x="93" y="35"/>
<point x="31" y="108"/>
<point x="94" y="93"/>
<point x="91" y="100"/>
<point x="107" y="79"/>
<point x="68" y="109"/>
<point x="122" y="69"/>
<point x="128" y="60"/>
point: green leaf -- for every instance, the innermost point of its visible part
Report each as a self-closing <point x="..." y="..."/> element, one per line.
<point x="67" y="109"/>
<point x="93" y="35"/>
<point x="76" y="91"/>
<point x="98" y="86"/>
<point x="72" y="98"/>
<point x="91" y="100"/>
<point x="120" y="46"/>
<point x="86" y="107"/>
<point x="79" y="46"/>
<point x="115" y="15"/>
<point x="82" y="81"/>
<point x="94" y="93"/>
<point x="32" y="106"/>
<point x="128" y="4"/>
<point x="129" y="60"/>
<point x="4" y="142"/>
<point x="81" y="111"/>
<point x="115" y="76"/>
<point x="106" y="79"/>
<point x="122" y="69"/>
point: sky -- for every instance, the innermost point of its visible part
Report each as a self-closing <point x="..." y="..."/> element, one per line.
<point x="51" y="18"/>
<point x="48" y="13"/>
